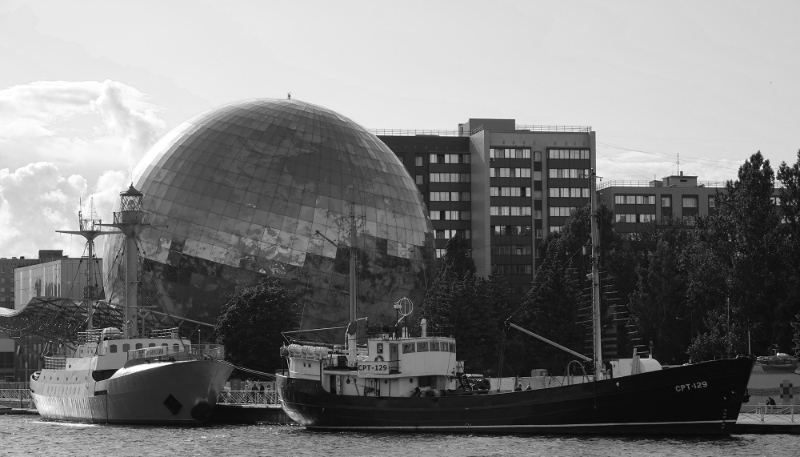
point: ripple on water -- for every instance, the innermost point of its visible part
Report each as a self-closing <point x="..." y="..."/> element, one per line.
<point x="26" y="435"/>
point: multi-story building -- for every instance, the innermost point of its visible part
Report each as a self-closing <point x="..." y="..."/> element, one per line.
<point x="63" y="277"/>
<point x="7" y="266"/>
<point x="636" y="203"/>
<point x="501" y="185"/>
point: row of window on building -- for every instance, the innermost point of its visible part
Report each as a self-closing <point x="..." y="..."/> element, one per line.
<point x="514" y="230"/>
<point x="568" y="192"/>
<point x="444" y="158"/>
<point x="448" y="177"/>
<point x="511" y="153"/>
<point x="451" y="215"/>
<point x="631" y="218"/>
<point x="510" y="192"/>
<point x="449" y="196"/>
<point x="569" y="154"/>
<point x="666" y="200"/>
<point x="447" y="234"/>
<point x="512" y="250"/>
<point x="571" y="173"/>
<point x="510" y="211"/>
<point x="497" y="172"/>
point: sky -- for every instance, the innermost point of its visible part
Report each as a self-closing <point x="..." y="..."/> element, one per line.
<point x="87" y="87"/>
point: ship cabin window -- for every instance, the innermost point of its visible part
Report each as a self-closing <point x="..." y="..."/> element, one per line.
<point x="138" y="345"/>
<point x="151" y="345"/>
<point x="126" y="347"/>
<point x="453" y="347"/>
<point x="175" y="347"/>
<point x="424" y="381"/>
<point x="164" y="344"/>
<point x="112" y="348"/>
<point x="408" y="348"/>
<point x="380" y="348"/>
<point x="434" y="345"/>
<point x="422" y="347"/>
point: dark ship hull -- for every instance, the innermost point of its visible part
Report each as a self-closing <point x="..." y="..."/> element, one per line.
<point x="699" y="399"/>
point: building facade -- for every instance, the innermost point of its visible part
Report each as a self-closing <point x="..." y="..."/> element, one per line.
<point x="501" y="185"/>
<point x="7" y="267"/>
<point x="65" y="277"/>
<point x="636" y="203"/>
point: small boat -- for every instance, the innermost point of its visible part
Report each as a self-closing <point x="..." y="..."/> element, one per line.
<point x="403" y="383"/>
<point x="129" y="376"/>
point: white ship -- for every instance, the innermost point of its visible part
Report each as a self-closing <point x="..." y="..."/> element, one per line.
<point x="123" y="376"/>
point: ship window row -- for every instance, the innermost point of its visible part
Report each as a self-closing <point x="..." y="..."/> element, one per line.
<point x="449" y="177"/>
<point x="636" y="200"/>
<point x="428" y="346"/>
<point x="562" y="211"/>
<point x="569" y="192"/>
<point x="510" y="192"/>
<point x="446" y="158"/>
<point x="447" y="234"/>
<point x="499" y="172"/>
<point x="511" y="230"/>
<point x="112" y="348"/>
<point x="510" y="211"/>
<point x="451" y="215"/>
<point x="634" y="217"/>
<point x="513" y="269"/>
<point x="511" y="153"/>
<point x="569" y="154"/>
<point x="582" y="173"/>
<point x="449" y="196"/>
<point x="512" y="250"/>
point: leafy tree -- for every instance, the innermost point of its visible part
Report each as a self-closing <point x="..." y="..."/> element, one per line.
<point x="658" y="305"/>
<point x="790" y="227"/>
<point x="738" y="256"/>
<point x="251" y="322"/>
<point x="468" y="307"/>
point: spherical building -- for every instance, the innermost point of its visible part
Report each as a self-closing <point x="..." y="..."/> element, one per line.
<point x="266" y="187"/>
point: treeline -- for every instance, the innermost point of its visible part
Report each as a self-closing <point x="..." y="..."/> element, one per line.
<point x="718" y="285"/>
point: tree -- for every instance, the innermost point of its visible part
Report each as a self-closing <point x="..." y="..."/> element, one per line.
<point x="790" y="227"/>
<point x="251" y="322"/>
<point x="737" y="260"/>
<point x="466" y="306"/>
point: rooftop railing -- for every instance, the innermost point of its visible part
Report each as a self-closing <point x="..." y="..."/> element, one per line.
<point x="606" y="184"/>
<point x="532" y="128"/>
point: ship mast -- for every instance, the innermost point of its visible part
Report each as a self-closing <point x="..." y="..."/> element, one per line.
<point x="351" y="337"/>
<point x="130" y="221"/>
<point x="89" y="229"/>
<point x="596" y="327"/>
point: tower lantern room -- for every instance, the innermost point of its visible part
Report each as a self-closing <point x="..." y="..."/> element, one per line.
<point x="130" y="208"/>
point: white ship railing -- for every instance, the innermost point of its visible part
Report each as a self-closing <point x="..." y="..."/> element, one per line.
<point x="770" y="413"/>
<point x="248" y="397"/>
<point x="55" y="363"/>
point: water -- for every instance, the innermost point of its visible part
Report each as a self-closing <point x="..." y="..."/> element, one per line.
<point x="29" y="435"/>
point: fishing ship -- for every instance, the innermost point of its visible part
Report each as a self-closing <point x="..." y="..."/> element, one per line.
<point x="129" y="376"/>
<point x="403" y="383"/>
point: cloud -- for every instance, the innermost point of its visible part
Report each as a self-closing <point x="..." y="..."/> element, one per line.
<point x="61" y="141"/>
<point x="32" y="111"/>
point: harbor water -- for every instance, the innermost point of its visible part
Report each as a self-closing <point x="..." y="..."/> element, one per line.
<point x="30" y="435"/>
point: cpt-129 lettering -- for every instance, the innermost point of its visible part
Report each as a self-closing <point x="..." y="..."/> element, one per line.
<point x="691" y="386"/>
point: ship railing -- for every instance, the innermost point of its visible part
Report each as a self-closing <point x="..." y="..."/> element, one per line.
<point x="90" y="336"/>
<point x="248" y="397"/>
<point x="55" y="363"/>
<point x="770" y="413"/>
<point x="207" y="351"/>
<point x="165" y="333"/>
<point x="157" y="352"/>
